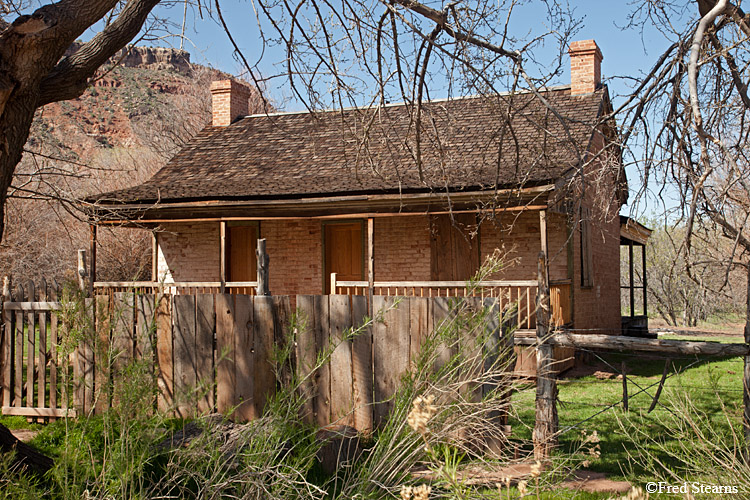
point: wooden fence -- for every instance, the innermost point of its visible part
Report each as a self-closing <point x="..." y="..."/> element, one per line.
<point x="356" y="387"/>
<point x="35" y="369"/>
<point x="213" y="352"/>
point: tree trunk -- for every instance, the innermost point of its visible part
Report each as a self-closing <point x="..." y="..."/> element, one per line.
<point x="26" y="456"/>
<point x="15" y="123"/>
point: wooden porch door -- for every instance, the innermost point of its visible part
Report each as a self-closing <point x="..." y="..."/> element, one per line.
<point x="454" y="253"/>
<point x="343" y="252"/>
<point x="241" y="244"/>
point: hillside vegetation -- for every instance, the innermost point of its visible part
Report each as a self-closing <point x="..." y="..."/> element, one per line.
<point x="129" y="122"/>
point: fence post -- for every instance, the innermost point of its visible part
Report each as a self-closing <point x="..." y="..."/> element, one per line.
<point x="82" y="273"/>
<point x="545" y="425"/>
<point x="262" y="268"/>
<point x="5" y="351"/>
<point x="746" y="374"/>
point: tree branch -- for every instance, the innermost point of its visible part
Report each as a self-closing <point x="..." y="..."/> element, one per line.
<point x="69" y="78"/>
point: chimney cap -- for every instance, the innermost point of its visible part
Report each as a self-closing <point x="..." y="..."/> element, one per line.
<point x="228" y="85"/>
<point x="585" y="47"/>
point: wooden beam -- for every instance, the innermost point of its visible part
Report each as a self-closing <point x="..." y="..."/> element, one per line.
<point x="622" y="343"/>
<point x="370" y="259"/>
<point x="546" y="421"/>
<point x="82" y="272"/>
<point x="92" y="244"/>
<point x="223" y="254"/>
<point x="632" y="290"/>
<point x="154" y="256"/>
<point x="543" y="231"/>
<point x="263" y="286"/>
<point x="38" y="412"/>
<point x="357" y="215"/>
<point x="644" y="282"/>
<point x="32" y="306"/>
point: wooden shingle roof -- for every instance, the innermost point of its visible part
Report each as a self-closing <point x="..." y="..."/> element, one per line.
<point x="466" y="144"/>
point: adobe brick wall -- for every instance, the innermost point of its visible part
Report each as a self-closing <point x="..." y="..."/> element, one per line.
<point x="598" y="307"/>
<point x="188" y="252"/>
<point x="518" y="235"/>
<point x="402" y="248"/>
<point x="295" y="249"/>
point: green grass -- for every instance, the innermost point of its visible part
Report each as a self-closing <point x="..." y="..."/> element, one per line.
<point x="584" y="401"/>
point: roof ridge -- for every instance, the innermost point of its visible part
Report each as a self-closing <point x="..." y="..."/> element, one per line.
<point x="403" y="103"/>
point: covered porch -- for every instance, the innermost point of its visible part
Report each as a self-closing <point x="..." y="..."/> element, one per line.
<point x="423" y="254"/>
<point x="634" y="290"/>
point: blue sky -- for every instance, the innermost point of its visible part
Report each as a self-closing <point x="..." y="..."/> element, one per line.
<point x="627" y="52"/>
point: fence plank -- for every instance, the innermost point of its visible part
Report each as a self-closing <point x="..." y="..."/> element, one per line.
<point x="43" y="351"/>
<point x="441" y="312"/>
<point x="88" y="359"/>
<point x="53" y="350"/>
<point x="362" y="373"/>
<point x="244" y="358"/>
<point x="30" y="347"/>
<point x="264" y="380"/>
<point x="281" y="315"/>
<point x="184" y="353"/>
<point x="341" y="361"/>
<point x="306" y="355"/>
<point x="164" y="353"/>
<point x="18" y="371"/>
<point x="123" y="339"/>
<point x="145" y="327"/>
<point x="103" y="341"/>
<point x="225" y="353"/>
<point x="321" y="329"/>
<point x="419" y="313"/>
<point x="204" y="350"/>
<point x="390" y="353"/>
<point x="7" y="353"/>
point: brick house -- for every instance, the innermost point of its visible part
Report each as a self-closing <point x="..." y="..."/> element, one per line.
<point x="343" y="202"/>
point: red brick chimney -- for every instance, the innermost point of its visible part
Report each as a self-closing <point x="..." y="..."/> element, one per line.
<point x="585" y="67"/>
<point x="229" y="100"/>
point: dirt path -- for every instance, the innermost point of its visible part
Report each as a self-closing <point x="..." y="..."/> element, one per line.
<point x="488" y="475"/>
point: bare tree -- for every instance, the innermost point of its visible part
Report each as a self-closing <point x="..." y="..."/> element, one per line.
<point x="686" y="123"/>
<point x="33" y="71"/>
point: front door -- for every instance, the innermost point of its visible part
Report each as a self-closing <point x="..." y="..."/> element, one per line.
<point x="241" y="244"/>
<point x="343" y="252"/>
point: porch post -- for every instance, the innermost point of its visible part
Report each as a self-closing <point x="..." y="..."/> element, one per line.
<point x="543" y="236"/>
<point x="223" y="255"/>
<point x="643" y="281"/>
<point x="92" y="243"/>
<point x="262" y="276"/>
<point x="632" y="290"/>
<point x="154" y="256"/>
<point x="370" y="260"/>
<point x="543" y="230"/>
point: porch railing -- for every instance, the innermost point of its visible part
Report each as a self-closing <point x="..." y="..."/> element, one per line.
<point x="177" y="288"/>
<point x="522" y="292"/>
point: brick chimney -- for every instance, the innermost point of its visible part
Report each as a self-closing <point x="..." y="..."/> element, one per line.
<point x="229" y="100"/>
<point x="585" y="67"/>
